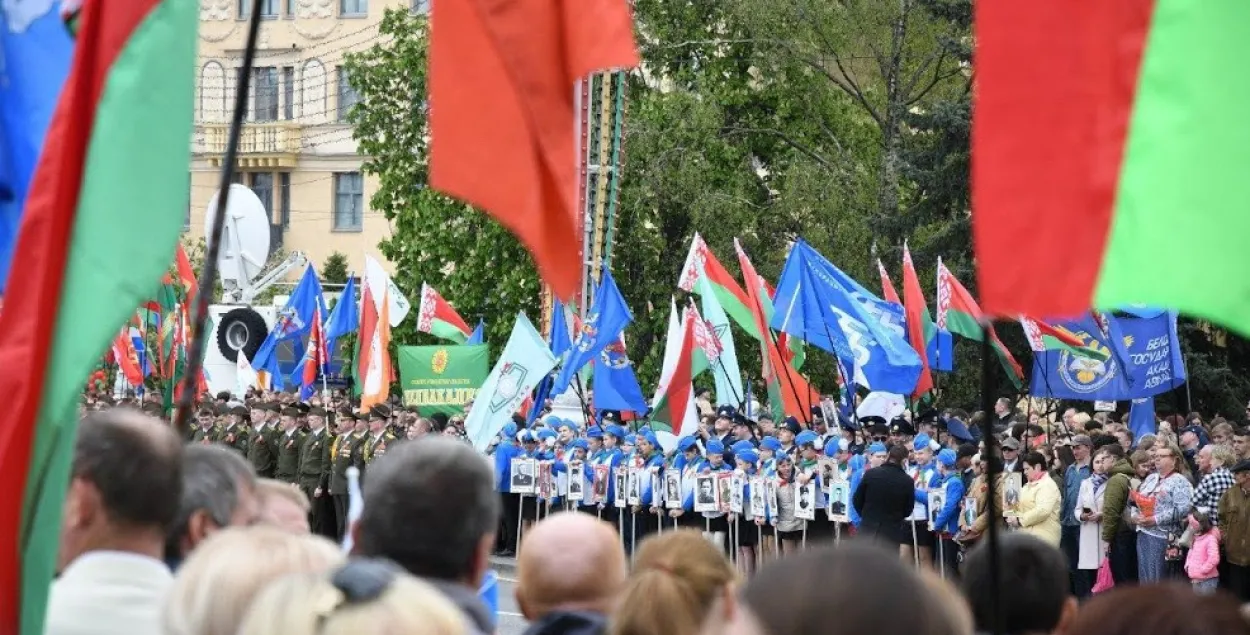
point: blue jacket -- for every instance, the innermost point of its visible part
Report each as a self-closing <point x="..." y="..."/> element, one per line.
<point x="948" y="518"/>
<point x="504" y="453"/>
<point x="1072" y="478"/>
<point x="856" y="465"/>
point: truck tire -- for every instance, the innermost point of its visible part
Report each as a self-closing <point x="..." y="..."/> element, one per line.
<point x="241" y="329"/>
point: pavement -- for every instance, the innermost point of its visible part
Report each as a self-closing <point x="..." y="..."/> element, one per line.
<point x="510" y="620"/>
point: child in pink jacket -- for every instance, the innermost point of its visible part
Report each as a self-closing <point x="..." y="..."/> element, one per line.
<point x="1204" y="554"/>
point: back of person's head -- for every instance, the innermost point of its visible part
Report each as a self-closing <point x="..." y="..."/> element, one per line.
<point x="676" y="578"/>
<point x="570" y="562"/>
<point x="218" y="490"/>
<point x="218" y="582"/>
<point x="898" y="454"/>
<point x="431" y="507"/>
<point x="133" y="463"/>
<point x="1159" y="609"/>
<point x="1032" y="590"/>
<point x="363" y="596"/>
<point x="283" y="506"/>
<point x="797" y="595"/>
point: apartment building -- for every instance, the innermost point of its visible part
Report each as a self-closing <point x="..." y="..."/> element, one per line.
<point x="296" y="151"/>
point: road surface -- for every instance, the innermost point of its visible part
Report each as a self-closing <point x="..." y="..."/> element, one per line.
<point x="510" y="620"/>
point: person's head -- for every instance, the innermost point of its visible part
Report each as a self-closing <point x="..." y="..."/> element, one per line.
<point x="218" y="491"/>
<point x="1167" y="459"/>
<point x="1199" y="521"/>
<point x="1159" y="609"/>
<point x="125" y="485"/>
<point x="219" y="581"/>
<point x="1082" y="448"/>
<point x="1221" y="456"/>
<point x="1034" y="466"/>
<point x="676" y="578"/>
<point x="430" y="506"/>
<point x="1222" y="433"/>
<point x="283" y="506"/>
<point x="1033" y="594"/>
<point x="362" y="596"/>
<point x="1241" y="442"/>
<point x="795" y="596"/>
<point x="1002" y="407"/>
<point x="569" y="562"/>
<point x="897" y="455"/>
<point x="1102" y="463"/>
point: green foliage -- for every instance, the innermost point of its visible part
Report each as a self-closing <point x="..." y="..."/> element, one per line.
<point x="334" y="269"/>
<point x="472" y="260"/>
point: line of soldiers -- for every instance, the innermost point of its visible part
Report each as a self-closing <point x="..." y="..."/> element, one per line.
<point x="307" y="446"/>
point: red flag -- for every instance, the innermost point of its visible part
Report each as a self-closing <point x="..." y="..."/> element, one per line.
<point x="186" y="275"/>
<point x="887" y="288"/>
<point x="915" y="309"/>
<point x="502" y="120"/>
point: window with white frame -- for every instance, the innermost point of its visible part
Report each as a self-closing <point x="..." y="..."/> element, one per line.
<point x="349" y="202"/>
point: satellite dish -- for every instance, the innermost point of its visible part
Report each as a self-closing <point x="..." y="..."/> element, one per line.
<point x="244" y="239"/>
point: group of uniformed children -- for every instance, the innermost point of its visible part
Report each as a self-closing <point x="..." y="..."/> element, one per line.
<point x="755" y="488"/>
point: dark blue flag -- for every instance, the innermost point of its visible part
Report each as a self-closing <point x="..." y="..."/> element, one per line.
<point x="1149" y="347"/>
<point x="603" y="326"/>
<point x="616" y="386"/>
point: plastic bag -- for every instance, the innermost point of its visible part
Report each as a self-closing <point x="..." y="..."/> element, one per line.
<point x="1105" y="581"/>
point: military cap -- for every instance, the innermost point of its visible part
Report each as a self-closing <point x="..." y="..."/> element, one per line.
<point x="317" y="411"/>
<point x="303" y="407"/>
<point x="290" y="411"/>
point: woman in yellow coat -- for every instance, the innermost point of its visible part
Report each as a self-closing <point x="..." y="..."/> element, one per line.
<point x="1040" y="501"/>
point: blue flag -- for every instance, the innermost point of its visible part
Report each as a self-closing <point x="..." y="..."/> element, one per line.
<point x="603" y="326"/>
<point x="35" y="54"/>
<point x="817" y="302"/>
<point x="345" y="318"/>
<point x="1141" y="418"/>
<point x="616" y="386"/>
<point x="478" y="334"/>
<point x="1150" y="349"/>
<point x="941" y="352"/>
<point x="294" y="322"/>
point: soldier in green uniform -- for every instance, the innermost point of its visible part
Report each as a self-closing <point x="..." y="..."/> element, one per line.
<point x="261" y="446"/>
<point x="235" y="432"/>
<point x="341" y="454"/>
<point x="205" y="432"/>
<point x="379" y="436"/>
<point x="289" y="443"/>
<point x="314" y="469"/>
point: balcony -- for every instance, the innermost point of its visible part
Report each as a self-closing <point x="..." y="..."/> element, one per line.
<point x="261" y="145"/>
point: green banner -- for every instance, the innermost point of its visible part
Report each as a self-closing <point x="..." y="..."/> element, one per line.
<point x="442" y="378"/>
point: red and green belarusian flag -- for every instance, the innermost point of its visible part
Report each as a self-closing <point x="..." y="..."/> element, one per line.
<point x="701" y="262"/>
<point x="920" y="329"/>
<point x="1045" y="337"/>
<point x="438" y="318"/>
<point x="116" y="158"/>
<point x="673" y="408"/>
<point x="1115" y="133"/>
<point x="958" y="313"/>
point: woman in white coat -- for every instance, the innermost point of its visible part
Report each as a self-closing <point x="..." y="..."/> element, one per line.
<point x="1089" y="512"/>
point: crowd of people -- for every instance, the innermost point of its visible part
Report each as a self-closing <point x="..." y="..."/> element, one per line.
<point x="743" y="526"/>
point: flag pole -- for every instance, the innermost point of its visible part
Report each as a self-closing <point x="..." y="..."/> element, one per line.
<point x="208" y="274"/>
<point x="991" y="473"/>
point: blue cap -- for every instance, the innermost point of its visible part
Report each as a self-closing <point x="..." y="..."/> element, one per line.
<point x="946" y="457"/>
<point x="857" y="462"/>
<point x="594" y="432"/>
<point x="921" y="442"/>
<point x="553" y="422"/>
<point x="784" y="458"/>
<point x="685" y="444"/>
<point x="770" y="443"/>
<point x="877" y="447"/>
<point x="578" y="443"/>
<point x="833" y="447"/>
<point x="616" y="431"/>
<point x="630" y="439"/>
<point x="644" y="430"/>
<point x="571" y="424"/>
<point x="750" y="456"/>
<point x="546" y="433"/>
<point x="741" y="446"/>
<point x="806" y="437"/>
<point x="655" y="443"/>
<point x="509" y="430"/>
<point x="714" y="446"/>
<point x="959" y="430"/>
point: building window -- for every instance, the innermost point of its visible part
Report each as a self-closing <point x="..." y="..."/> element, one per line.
<point x="347" y="94"/>
<point x="262" y="186"/>
<point x="349" y="196"/>
<point x="290" y="8"/>
<point x="420" y="7"/>
<point x="354" y="8"/>
<point x="265" y="94"/>
<point x="288" y="93"/>
<point x="268" y="9"/>
<point x="284" y="190"/>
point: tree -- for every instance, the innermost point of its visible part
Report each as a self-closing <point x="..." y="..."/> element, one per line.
<point x="475" y="263"/>
<point x="334" y="270"/>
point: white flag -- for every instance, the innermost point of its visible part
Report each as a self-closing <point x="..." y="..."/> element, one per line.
<point x="377" y="279"/>
<point x="245" y="377"/>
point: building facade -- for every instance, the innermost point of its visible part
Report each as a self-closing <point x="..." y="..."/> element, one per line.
<point x="296" y="151"/>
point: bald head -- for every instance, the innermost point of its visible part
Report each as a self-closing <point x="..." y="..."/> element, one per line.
<point x="569" y="562"/>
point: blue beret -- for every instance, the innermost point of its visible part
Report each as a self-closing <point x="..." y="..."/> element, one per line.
<point x="714" y="446"/>
<point x="750" y="456"/>
<point x="806" y="437"/>
<point x="685" y="444"/>
<point x="771" y="443"/>
<point x="509" y="430"/>
<point x="616" y="431"/>
<point x="546" y="433"/>
<point x="921" y="442"/>
<point x="877" y="448"/>
<point x="741" y="446"/>
<point x="946" y="457"/>
<point x="594" y="432"/>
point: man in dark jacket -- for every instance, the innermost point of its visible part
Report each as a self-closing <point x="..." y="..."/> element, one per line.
<point x="884" y="498"/>
<point x="555" y="589"/>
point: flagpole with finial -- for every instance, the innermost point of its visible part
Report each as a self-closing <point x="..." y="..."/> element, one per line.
<point x="208" y="274"/>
